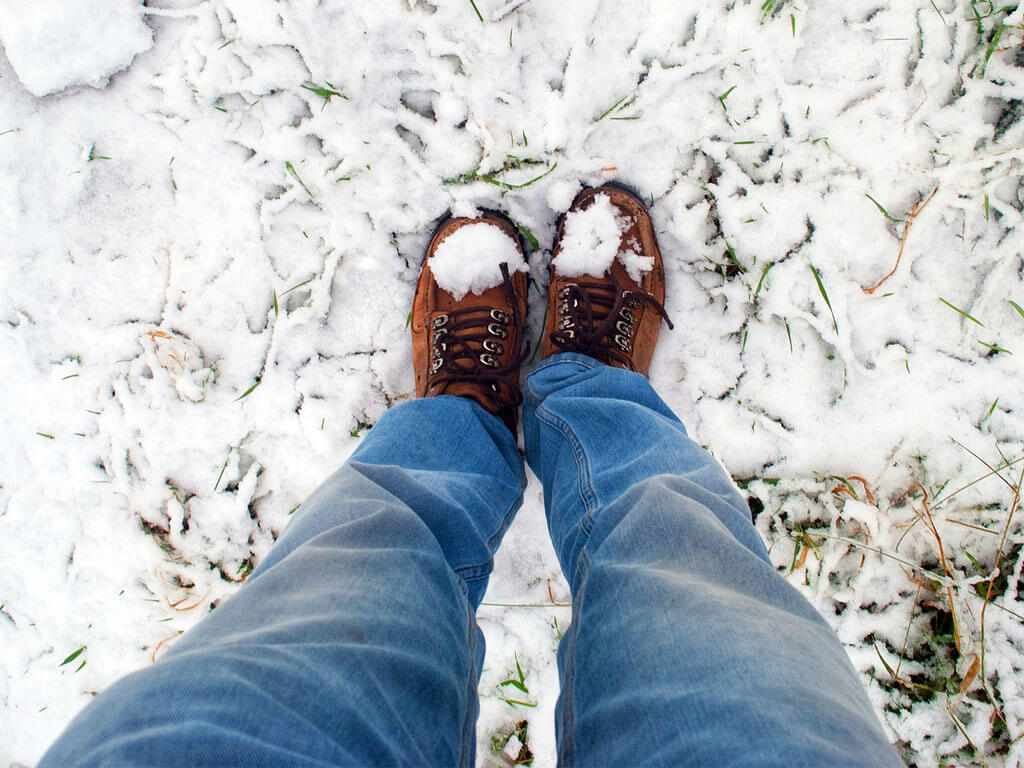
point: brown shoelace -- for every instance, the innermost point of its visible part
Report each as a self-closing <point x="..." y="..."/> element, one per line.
<point x="467" y="345"/>
<point x="598" y="320"/>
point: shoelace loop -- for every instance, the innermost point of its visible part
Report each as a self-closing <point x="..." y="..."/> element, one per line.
<point x="467" y="345"/>
<point x="598" y="319"/>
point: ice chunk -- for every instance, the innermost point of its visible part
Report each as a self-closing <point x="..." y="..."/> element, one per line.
<point x="469" y="259"/>
<point x="591" y="241"/>
<point x="55" y="44"/>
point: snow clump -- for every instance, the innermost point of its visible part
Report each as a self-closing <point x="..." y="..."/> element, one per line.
<point x="469" y="260"/>
<point x="591" y="241"/>
<point x="60" y="43"/>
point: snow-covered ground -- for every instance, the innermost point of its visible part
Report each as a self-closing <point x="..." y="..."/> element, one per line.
<point x="206" y="265"/>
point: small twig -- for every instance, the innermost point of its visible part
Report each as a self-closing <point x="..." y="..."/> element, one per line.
<point x="161" y="644"/>
<point x="918" y="207"/>
<point x="527" y="605"/>
<point x="991" y="585"/>
<point x="195" y="605"/>
<point x="906" y="635"/>
<point x="946" y="568"/>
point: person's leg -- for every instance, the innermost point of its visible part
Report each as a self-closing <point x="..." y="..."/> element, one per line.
<point x="354" y="642"/>
<point x="686" y="646"/>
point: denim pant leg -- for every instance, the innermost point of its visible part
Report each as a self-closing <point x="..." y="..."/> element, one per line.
<point x="354" y="642"/>
<point x="686" y="647"/>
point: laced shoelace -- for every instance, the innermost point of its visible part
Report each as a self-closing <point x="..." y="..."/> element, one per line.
<point x="598" y="320"/>
<point x="467" y="345"/>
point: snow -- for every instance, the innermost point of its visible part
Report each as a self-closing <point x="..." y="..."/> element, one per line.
<point x="468" y="261"/>
<point x="207" y="268"/>
<point x="57" y="44"/>
<point x="592" y="240"/>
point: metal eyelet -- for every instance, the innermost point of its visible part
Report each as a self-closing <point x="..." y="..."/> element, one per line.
<point x="567" y="322"/>
<point x="563" y="308"/>
<point x="569" y="334"/>
<point x="623" y="342"/>
<point x="489" y="360"/>
<point x="498" y="316"/>
<point x="633" y="302"/>
<point x="493" y="346"/>
<point x="436" y="365"/>
<point x="439" y="321"/>
<point x="563" y="292"/>
<point x="627" y="315"/>
<point x="496" y="330"/>
<point x="624" y="328"/>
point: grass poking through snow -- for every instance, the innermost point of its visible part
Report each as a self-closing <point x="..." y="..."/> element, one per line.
<point x="962" y="312"/>
<point x="824" y="295"/>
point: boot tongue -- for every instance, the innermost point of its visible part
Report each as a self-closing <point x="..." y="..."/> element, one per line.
<point x="470" y="390"/>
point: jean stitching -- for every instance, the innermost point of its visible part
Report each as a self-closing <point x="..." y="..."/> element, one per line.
<point x="475" y="572"/>
<point x="506" y="521"/>
<point x="567" y="747"/>
<point x="483" y="570"/>
<point x="584" y="486"/>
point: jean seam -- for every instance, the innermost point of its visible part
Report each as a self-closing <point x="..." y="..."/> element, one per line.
<point x="506" y="521"/>
<point x="468" y="746"/>
<point x="588" y="364"/>
<point x="482" y="570"/>
<point x="567" y="747"/>
<point x="584" y="487"/>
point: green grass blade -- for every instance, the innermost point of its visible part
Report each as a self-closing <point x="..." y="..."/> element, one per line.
<point x="957" y="309"/>
<point x="992" y="408"/>
<point x="612" y="108"/>
<point x="824" y="295"/>
<point x="296" y="287"/>
<point x="760" y="282"/>
<point x="506" y="185"/>
<point x="1017" y="306"/>
<point x="72" y="656"/>
<point x="249" y="391"/>
<point x="293" y="172"/>
<point x="540" y="339"/>
<point x="224" y="466"/>
<point x="888" y="667"/>
<point x="731" y="253"/>
<point x="882" y="209"/>
<point x="533" y="241"/>
<point x="995" y="347"/>
<point x="991" y="49"/>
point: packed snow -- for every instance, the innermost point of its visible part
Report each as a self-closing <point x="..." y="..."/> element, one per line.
<point x="468" y="261"/>
<point x="57" y="44"/>
<point x="211" y="232"/>
<point x="592" y="240"/>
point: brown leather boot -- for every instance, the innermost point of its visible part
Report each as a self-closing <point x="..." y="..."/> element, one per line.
<point x="612" y="318"/>
<point x="471" y="347"/>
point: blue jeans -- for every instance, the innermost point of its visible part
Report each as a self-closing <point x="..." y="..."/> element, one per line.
<point x="355" y="641"/>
